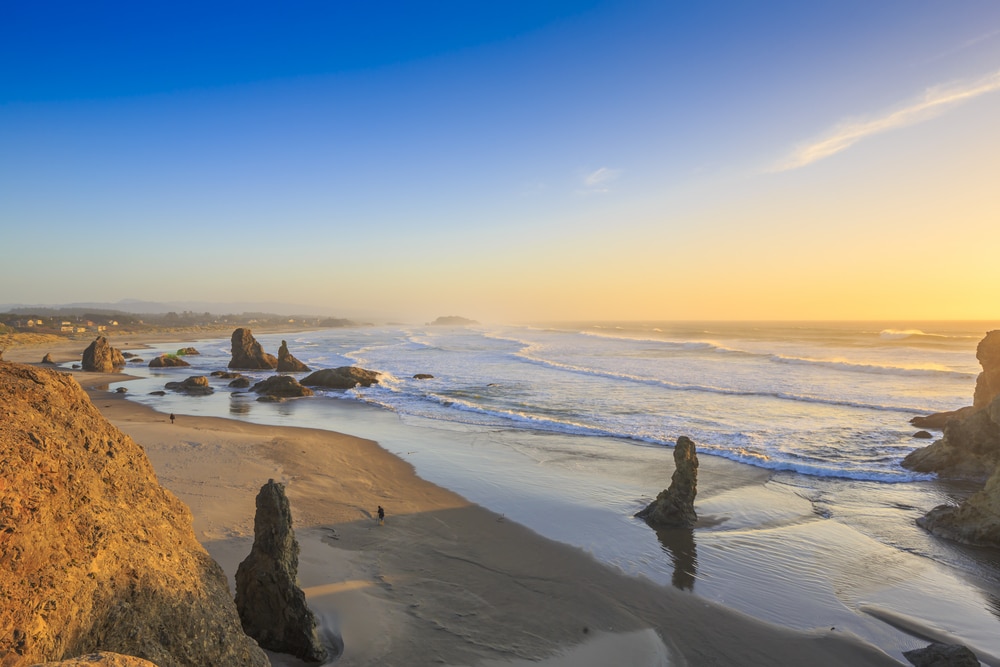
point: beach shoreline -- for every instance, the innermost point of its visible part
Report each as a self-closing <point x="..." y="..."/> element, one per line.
<point x="364" y="581"/>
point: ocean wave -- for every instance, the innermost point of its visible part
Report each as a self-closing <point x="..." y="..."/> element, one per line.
<point x="858" y="367"/>
<point x="760" y="393"/>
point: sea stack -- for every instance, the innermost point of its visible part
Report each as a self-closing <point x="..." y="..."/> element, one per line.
<point x="271" y="605"/>
<point x="248" y="353"/>
<point x="100" y="357"/>
<point x="674" y="507"/>
<point x="288" y="363"/>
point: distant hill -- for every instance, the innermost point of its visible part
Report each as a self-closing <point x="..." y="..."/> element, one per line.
<point x="453" y="321"/>
<point x="140" y="307"/>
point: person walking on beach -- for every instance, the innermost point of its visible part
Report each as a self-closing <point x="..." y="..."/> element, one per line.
<point x="171" y="417"/>
<point x="381" y="515"/>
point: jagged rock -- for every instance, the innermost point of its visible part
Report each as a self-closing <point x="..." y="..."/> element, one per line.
<point x="922" y="435"/>
<point x="240" y="383"/>
<point x="942" y="655"/>
<point x="970" y="447"/>
<point x="168" y="361"/>
<point x="287" y="363"/>
<point x="47" y="359"/>
<point x="975" y="521"/>
<point x="271" y="605"/>
<point x="423" y="376"/>
<point x="101" y="659"/>
<point x="100" y="357"/>
<point x="187" y="351"/>
<point x="939" y="420"/>
<point x="674" y="506"/>
<point x="248" y="353"/>
<point x="344" y="377"/>
<point x="281" y="386"/>
<point x="95" y="554"/>
<point x="196" y="386"/>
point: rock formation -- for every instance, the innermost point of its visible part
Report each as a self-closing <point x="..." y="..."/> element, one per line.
<point x="288" y="363"/>
<point x="271" y="605"/>
<point x="975" y="521"/>
<point x="281" y="386"/>
<point x="241" y="382"/>
<point x="100" y="357"/>
<point x="987" y="385"/>
<point x="674" y="507"/>
<point x="344" y="377"/>
<point x="187" y="351"/>
<point x="248" y="354"/>
<point x="96" y="554"/>
<point x="970" y="447"/>
<point x="168" y="361"/>
<point x="47" y="359"/>
<point x="423" y="376"/>
<point x="196" y="385"/>
<point x="942" y="655"/>
<point x="452" y="321"/>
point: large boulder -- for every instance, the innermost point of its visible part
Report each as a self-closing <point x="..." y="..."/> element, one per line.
<point x="96" y="555"/>
<point x="100" y="357"/>
<point x="674" y="506"/>
<point x="281" y="386"/>
<point x="942" y="655"/>
<point x="168" y="361"/>
<point x="344" y="377"/>
<point x="271" y="605"/>
<point x="248" y="353"/>
<point x="196" y="386"/>
<point x="288" y="363"/>
<point x="975" y="521"/>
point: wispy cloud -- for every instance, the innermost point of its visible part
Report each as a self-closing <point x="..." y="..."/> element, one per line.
<point x="601" y="180"/>
<point x="934" y="102"/>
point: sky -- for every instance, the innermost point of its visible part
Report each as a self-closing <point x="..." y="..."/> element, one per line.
<point x="506" y="161"/>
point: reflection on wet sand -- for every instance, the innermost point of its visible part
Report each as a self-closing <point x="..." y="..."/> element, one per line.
<point x="679" y="544"/>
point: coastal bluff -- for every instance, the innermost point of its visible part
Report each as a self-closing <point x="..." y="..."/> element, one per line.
<point x="97" y="556"/>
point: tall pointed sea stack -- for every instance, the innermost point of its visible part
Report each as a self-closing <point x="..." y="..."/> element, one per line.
<point x="271" y="605"/>
<point x="288" y="363"/>
<point x="248" y="353"/>
<point x="674" y="507"/>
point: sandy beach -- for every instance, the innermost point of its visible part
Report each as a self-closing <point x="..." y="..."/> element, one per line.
<point x="444" y="581"/>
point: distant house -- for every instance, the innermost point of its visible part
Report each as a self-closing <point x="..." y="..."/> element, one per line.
<point x="66" y="328"/>
<point x="80" y="329"/>
<point x="101" y="327"/>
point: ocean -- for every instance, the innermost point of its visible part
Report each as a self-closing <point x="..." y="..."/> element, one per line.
<point x="567" y="428"/>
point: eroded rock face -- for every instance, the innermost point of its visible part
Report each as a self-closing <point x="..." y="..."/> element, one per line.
<point x="970" y="447"/>
<point x="344" y="377"/>
<point x="248" y="353"/>
<point x="281" y="386"/>
<point x="271" y="605"/>
<point x="674" y="506"/>
<point x="101" y="659"/>
<point x="288" y="363"/>
<point x="976" y="521"/>
<point x="988" y="382"/>
<point x="96" y="554"/>
<point x="168" y="361"/>
<point x="100" y="357"/>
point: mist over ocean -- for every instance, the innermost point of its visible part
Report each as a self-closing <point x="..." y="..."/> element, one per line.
<point x="568" y="428"/>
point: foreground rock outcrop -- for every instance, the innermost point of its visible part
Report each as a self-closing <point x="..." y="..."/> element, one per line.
<point x="96" y="555"/>
<point x="287" y="363"/>
<point x="271" y="605"/>
<point x="344" y="377"/>
<point x="674" y="506"/>
<point x="101" y="659"/>
<point x="100" y="357"/>
<point x="280" y="386"/>
<point x="248" y="353"/>
<point x="975" y="521"/>
<point x="942" y="655"/>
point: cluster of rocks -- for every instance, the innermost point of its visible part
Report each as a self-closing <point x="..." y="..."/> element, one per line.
<point x="968" y="449"/>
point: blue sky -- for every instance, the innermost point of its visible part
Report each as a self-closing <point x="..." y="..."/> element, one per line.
<point x="516" y="160"/>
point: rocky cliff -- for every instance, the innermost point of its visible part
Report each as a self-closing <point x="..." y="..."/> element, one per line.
<point x="96" y="555"/>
